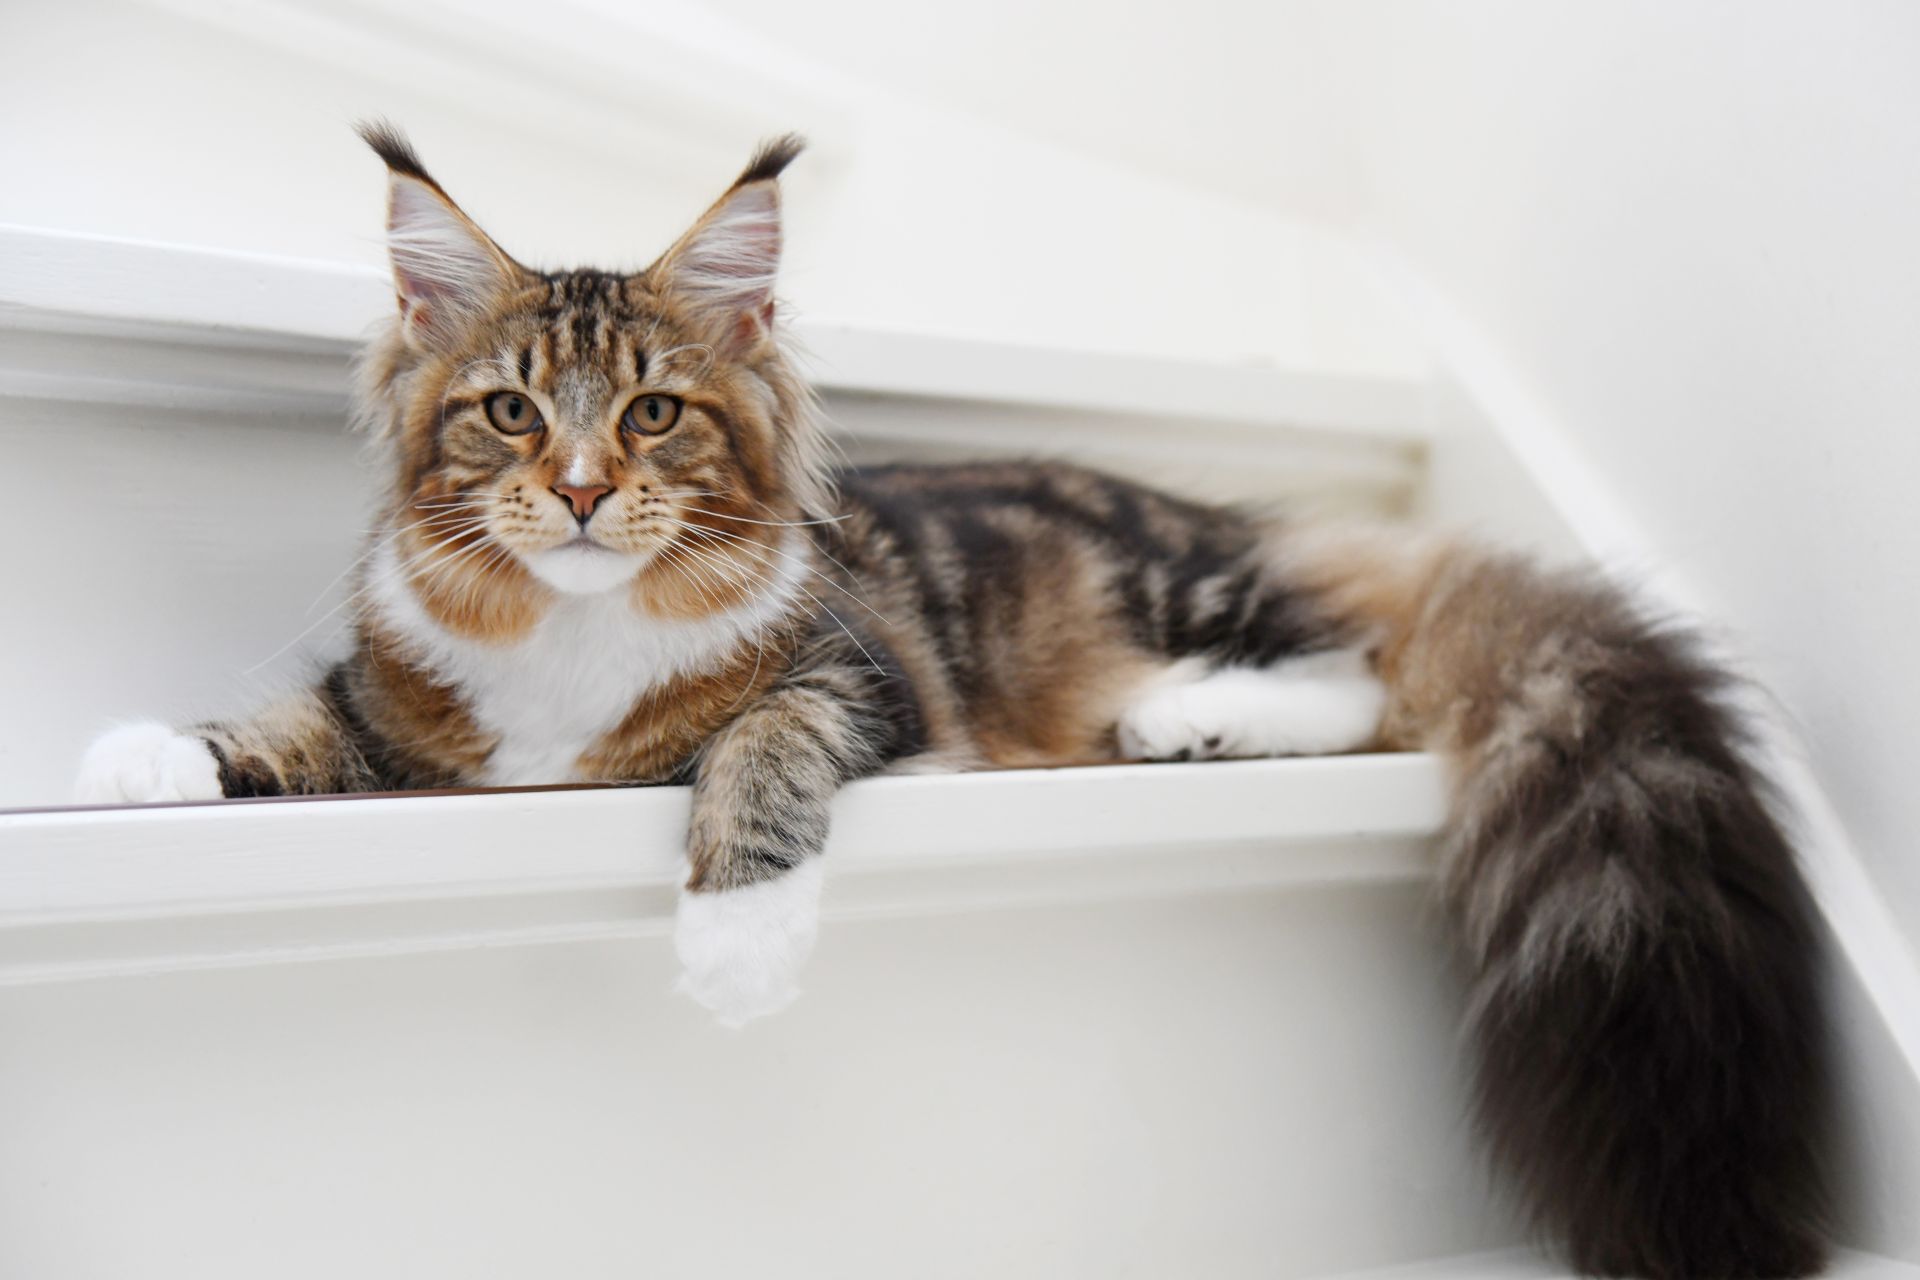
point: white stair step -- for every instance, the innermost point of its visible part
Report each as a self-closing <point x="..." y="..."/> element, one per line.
<point x="267" y="312"/>
<point x="185" y="369"/>
<point x="89" y="320"/>
<point x="85" y="892"/>
<point x="1525" y="1265"/>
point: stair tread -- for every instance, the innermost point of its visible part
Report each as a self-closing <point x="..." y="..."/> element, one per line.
<point x="138" y="888"/>
<point x="190" y="295"/>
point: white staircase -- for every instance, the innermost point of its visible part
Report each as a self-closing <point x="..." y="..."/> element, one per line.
<point x="1067" y="1022"/>
<point x="1149" y="1020"/>
<point x="1165" y="1021"/>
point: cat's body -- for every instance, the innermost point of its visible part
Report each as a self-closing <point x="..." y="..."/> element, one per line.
<point x="612" y="552"/>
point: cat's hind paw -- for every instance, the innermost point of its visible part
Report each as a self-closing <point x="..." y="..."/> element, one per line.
<point x="1316" y="704"/>
<point x="145" y="763"/>
<point x="741" y="949"/>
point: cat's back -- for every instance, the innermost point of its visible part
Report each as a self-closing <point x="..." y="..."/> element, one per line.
<point x="1039" y="498"/>
<point x="1030" y="602"/>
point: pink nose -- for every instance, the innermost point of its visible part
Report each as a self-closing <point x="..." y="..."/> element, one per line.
<point x="582" y="497"/>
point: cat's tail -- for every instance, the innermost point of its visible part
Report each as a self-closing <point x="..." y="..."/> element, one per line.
<point x="1650" y="1065"/>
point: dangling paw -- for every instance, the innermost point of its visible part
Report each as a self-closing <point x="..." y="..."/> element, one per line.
<point x="139" y="763"/>
<point x="741" y="949"/>
<point x="1318" y="704"/>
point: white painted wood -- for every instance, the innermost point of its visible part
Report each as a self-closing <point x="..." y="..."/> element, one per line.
<point x="86" y="892"/>
<point x="1259" y="1083"/>
<point x="249" y="311"/>
<point x="178" y="563"/>
<point x="856" y="358"/>
<point x="97" y="282"/>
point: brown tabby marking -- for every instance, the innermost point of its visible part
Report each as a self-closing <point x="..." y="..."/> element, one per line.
<point x="424" y="734"/>
<point x="667" y="726"/>
<point x="295" y="746"/>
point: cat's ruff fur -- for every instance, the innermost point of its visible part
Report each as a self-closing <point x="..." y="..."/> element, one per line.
<point x="1638" y="943"/>
<point x="547" y="696"/>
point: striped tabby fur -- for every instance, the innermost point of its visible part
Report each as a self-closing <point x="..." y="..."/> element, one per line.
<point x="635" y="567"/>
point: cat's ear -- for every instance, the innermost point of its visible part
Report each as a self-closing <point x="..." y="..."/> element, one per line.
<point x="446" y="270"/>
<point x="725" y="265"/>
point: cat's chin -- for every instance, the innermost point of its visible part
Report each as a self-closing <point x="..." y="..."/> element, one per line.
<point x="580" y="570"/>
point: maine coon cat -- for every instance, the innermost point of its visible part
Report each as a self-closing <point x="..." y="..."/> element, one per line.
<point x="612" y="549"/>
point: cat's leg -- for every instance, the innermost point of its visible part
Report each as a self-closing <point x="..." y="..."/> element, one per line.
<point x="1314" y="704"/>
<point x="751" y="908"/>
<point x="297" y="745"/>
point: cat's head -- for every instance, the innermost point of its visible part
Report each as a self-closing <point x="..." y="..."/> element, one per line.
<point x="587" y="431"/>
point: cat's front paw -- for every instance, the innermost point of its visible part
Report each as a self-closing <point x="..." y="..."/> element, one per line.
<point x="139" y="763"/>
<point x="741" y="949"/>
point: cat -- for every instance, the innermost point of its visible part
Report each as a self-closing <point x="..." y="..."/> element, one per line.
<point x="612" y="548"/>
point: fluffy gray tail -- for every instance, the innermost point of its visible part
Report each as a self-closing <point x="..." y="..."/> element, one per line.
<point x="1650" y="1057"/>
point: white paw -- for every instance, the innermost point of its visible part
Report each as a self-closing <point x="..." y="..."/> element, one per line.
<point x="146" y="762"/>
<point x="1313" y="705"/>
<point x="741" y="949"/>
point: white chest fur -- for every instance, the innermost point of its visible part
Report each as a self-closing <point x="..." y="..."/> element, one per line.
<point x="552" y="694"/>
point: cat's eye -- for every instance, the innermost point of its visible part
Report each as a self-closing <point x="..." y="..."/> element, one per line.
<point x="513" y="413"/>
<point x="651" y="415"/>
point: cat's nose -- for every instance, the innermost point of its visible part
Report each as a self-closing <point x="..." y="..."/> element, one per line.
<point x="582" y="498"/>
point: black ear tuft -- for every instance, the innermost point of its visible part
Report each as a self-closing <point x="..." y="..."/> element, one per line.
<point x="392" y="146"/>
<point x="772" y="156"/>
